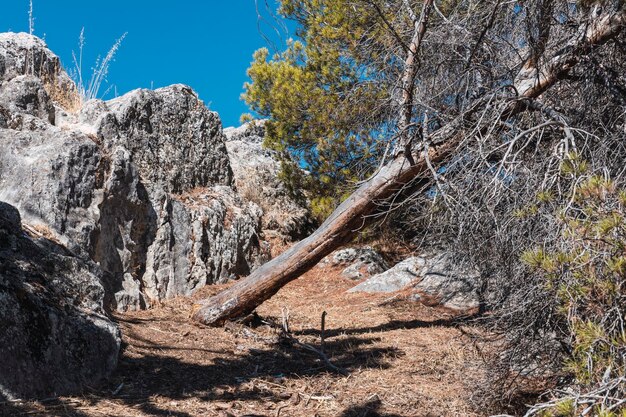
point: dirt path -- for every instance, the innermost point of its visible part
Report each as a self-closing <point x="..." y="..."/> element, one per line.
<point x="403" y="360"/>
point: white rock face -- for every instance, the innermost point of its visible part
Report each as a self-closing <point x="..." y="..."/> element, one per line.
<point x="25" y="94"/>
<point x="433" y="280"/>
<point x="21" y="54"/>
<point x="173" y="139"/>
<point x="141" y="184"/>
<point x="256" y="171"/>
<point x="397" y="278"/>
<point x="358" y="263"/>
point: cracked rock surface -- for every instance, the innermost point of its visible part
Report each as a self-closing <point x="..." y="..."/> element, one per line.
<point x="256" y="171"/>
<point x="141" y="184"/>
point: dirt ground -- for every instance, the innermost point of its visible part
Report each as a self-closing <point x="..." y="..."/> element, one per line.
<point x="401" y="359"/>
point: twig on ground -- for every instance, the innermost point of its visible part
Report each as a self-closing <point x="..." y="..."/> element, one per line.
<point x="286" y="335"/>
<point x="323" y="326"/>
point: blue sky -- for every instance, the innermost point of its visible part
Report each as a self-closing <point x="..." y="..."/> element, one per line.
<point x="207" y="44"/>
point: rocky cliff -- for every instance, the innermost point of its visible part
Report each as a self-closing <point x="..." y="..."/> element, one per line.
<point x="142" y="184"/>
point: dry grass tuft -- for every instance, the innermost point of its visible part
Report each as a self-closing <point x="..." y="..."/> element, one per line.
<point x="65" y="95"/>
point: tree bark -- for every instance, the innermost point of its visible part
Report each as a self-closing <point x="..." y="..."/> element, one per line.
<point x="361" y="208"/>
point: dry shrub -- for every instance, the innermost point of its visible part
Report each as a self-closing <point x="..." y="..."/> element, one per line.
<point x="537" y="207"/>
<point x="510" y="203"/>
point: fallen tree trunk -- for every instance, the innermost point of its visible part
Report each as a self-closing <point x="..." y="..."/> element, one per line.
<point x="361" y="207"/>
<point x="338" y="229"/>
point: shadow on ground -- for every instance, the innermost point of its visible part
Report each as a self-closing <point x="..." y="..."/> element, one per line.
<point x="231" y="376"/>
<point x="389" y="326"/>
<point x="370" y="408"/>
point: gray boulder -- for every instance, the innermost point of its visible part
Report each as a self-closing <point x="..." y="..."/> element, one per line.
<point x="397" y="278"/>
<point x="434" y="280"/>
<point x="52" y="176"/>
<point x="21" y="53"/>
<point x="170" y="186"/>
<point x="55" y="337"/>
<point x="256" y="172"/>
<point x="358" y="263"/>
<point x="205" y="237"/>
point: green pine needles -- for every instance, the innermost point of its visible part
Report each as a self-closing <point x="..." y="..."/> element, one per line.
<point x="586" y="274"/>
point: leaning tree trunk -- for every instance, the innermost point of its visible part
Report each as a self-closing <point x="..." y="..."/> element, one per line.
<point x="361" y="207"/>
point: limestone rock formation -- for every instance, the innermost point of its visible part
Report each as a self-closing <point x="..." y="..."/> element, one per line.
<point x="169" y="161"/>
<point x="397" y="278"/>
<point x="140" y="184"/>
<point x="55" y="336"/>
<point x="172" y="138"/>
<point x="433" y="280"/>
<point x="358" y="263"/>
<point x="22" y="54"/>
<point x="256" y="172"/>
<point x="126" y="202"/>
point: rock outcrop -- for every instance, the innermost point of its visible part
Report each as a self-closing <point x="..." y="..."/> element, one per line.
<point x="22" y="54"/>
<point x="55" y="336"/>
<point x="126" y="202"/>
<point x="25" y="94"/>
<point x="358" y="263"/>
<point x="172" y="138"/>
<point x="433" y="280"/>
<point x="256" y="172"/>
<point x="169" y="161"/>
<point x="141" y="184"/>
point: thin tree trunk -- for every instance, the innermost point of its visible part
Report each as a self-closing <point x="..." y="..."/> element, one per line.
<point x="361" y="207"/>
<point x="411" y="65"/>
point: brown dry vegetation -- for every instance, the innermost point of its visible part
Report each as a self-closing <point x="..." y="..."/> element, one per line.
<point x="403" y="360"/>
